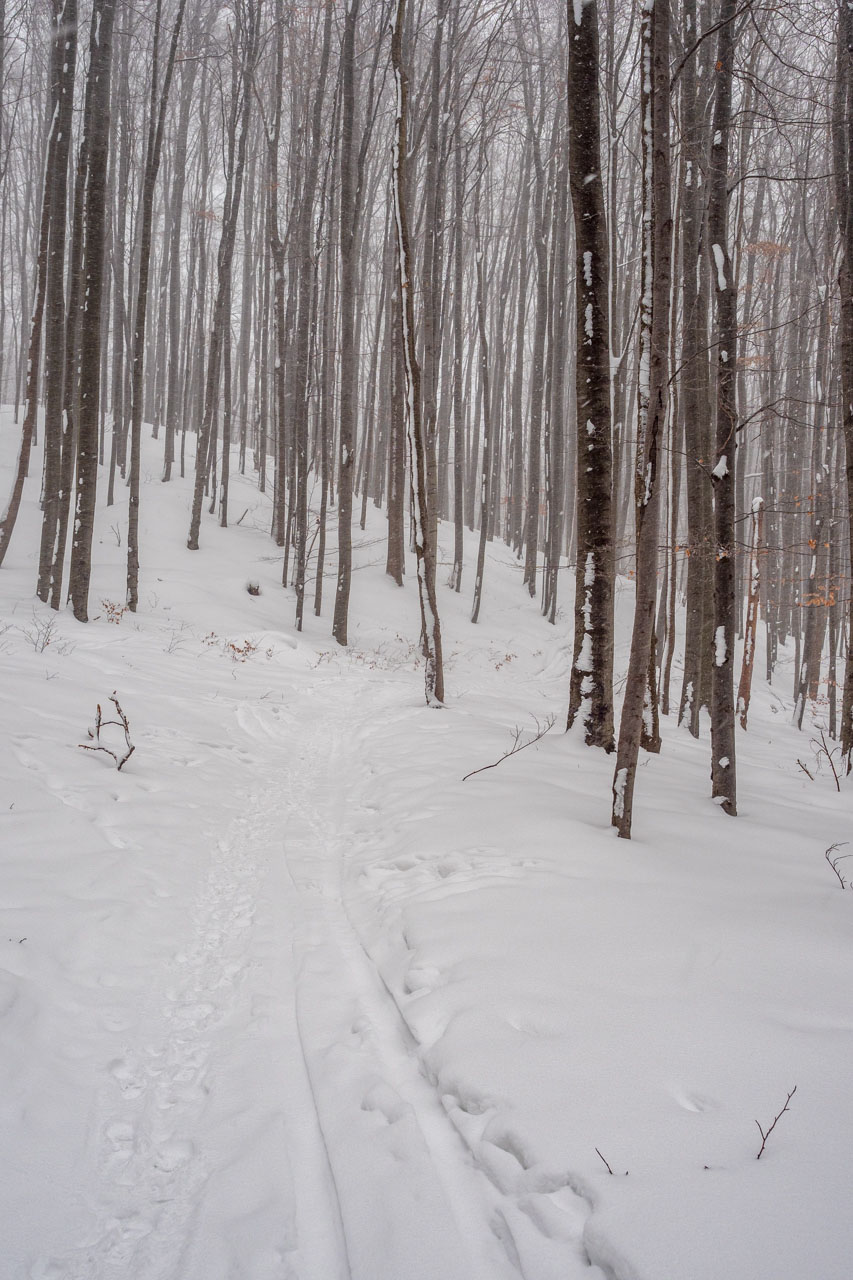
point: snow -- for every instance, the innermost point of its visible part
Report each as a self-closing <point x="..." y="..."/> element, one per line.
<point x="720" y="262"/>
<point x="722" y="467"/>
<point x="287" y="999"/>
<point x="720" y="647"/>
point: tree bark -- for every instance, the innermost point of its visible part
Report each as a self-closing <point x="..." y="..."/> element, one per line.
<point x="723" y="764"/>
<point x="425" y="550"/>
<point x="96" y="124"/>
<point x="591" y="688"/>
<point x="652" y="395"/>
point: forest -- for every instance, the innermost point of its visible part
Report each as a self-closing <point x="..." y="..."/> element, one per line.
<point x="577" y="277"/>
<point x="426" y="639"/>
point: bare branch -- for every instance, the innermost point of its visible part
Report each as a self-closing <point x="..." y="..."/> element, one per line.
<point x="776" y="1119"/>
<point x="834" y="861"/>
<point x="517" y="745"/>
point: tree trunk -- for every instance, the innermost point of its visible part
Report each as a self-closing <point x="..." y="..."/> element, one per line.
<point x="425" y="550"/>
<point x="154" y="147"/>
<point x="591" y="689"/>
<point x="652" y="395"/>
<point x="348" y="386"/>
<point x="723" y="765"/>
<point x="97" y="118"/>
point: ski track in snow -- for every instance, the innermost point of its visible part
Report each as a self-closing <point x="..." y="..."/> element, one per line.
<point x="437" y="1207"/>
<point x="389" y="1180"/>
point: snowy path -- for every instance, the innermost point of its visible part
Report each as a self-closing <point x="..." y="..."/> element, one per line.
<point x="412" y="1195"/>
<point x="218" y="1025"/>
<point x="269" y="1114"/>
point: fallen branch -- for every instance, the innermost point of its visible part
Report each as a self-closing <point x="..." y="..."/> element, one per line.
<point x="517" y="745"/>
<point x="100" y="723"/>
<point x="776" y="1119"/>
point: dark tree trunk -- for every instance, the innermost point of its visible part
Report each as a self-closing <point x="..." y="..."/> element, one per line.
<point x="723" y="765"/>
<point x="591" y="690"/>
<point x="63" y="70"/>
<point x="97" y="127"/>
<point x="348" y="386"/>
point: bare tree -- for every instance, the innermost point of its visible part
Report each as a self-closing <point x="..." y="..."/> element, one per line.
<point x="425" y="550"/>
<point x="723" y="765"/>
<point x="591" y="691"/>
<point x="652" y="397"/>
<point x="96" y="148"/>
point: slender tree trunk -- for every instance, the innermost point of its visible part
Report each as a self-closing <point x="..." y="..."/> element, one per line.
<point x="424" y="546"/>
<point x="751" y="628"/>
<point x="249" y="37"/>
<point x="652" y="395"/>
<point x="842" y="137"/>
<point x="723" y="764"/>
<point x="97" y="117"/>
<point x="156" y="124"/>
<point x="64" y="66"/>
<point x="173" y="395"/>
<point x="348" y="387"/>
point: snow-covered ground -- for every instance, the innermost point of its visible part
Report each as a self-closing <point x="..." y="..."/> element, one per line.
<point x="287" y="999"/>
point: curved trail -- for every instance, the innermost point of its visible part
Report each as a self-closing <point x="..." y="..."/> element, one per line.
<point x="412" y="1194"/>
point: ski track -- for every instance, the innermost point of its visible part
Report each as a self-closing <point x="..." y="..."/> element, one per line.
<point x="497" y="1220"/>
<point x="393" y="1181"/>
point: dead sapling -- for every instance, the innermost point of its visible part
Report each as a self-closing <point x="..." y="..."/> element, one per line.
<point x="833" y="858"/>
<point x="776" y="1119"/>
<point x="121" y="757"/>
<point x="822" y="749"/>
<point x="517" y="745"/>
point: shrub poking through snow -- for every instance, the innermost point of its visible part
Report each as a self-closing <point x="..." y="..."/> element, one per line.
<point x="113" y="611"/>
<point x="121" y="756"/>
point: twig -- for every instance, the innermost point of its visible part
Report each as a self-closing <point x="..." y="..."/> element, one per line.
<point x="121" y="723"/>
<point x="833" y="862"/>
<point x="606" y="1165"/>
<point x="805" y="770"/>
<point x="776" y="1119"/>
<point x="517" y="745"/>
<point x="822" y="748"/>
